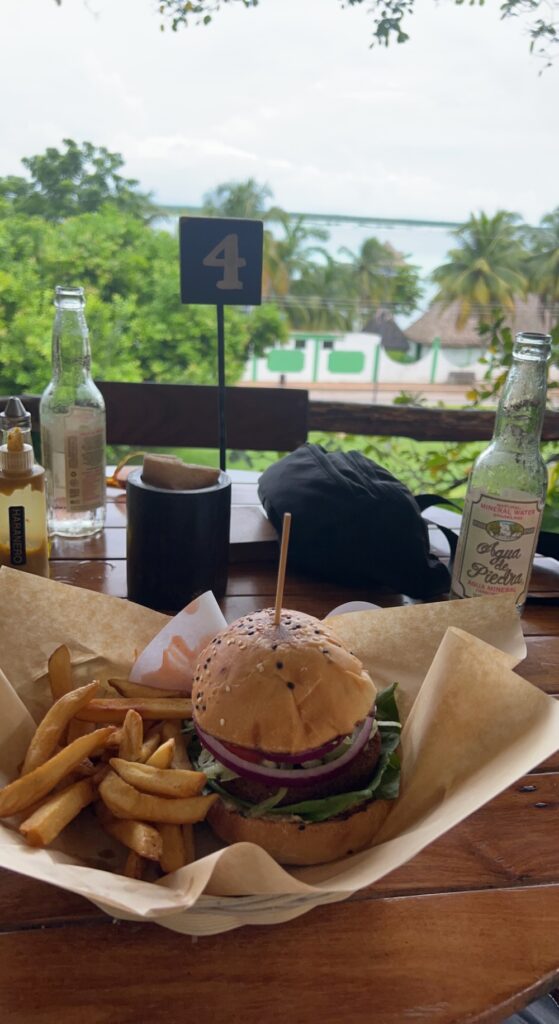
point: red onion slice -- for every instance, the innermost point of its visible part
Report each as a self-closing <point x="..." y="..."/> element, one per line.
<point x="316" y="754"/>
<point x="285" y="776"/>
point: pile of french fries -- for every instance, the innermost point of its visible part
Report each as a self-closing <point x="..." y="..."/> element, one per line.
<point x="119" y="747"/>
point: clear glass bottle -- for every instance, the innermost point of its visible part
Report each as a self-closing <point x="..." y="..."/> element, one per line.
<point x="507" y="488"/>
<point x="72" y="413"/>
<point x="23" y="513"/>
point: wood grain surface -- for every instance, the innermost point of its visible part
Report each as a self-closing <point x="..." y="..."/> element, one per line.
<point x="466" y="931"/>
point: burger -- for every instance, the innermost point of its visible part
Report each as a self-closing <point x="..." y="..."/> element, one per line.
<point x="291" y="733"/>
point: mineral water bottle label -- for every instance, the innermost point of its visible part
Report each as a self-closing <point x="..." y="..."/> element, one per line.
<point x="497" y="545"/>
<point x="83" y="448"/>
<point x="84" y="470"/>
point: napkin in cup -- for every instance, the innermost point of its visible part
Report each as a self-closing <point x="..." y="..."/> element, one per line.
<point x="171" y="473"/>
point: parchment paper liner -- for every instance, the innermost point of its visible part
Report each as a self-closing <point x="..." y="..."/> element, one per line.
<point x="472" y="729"/>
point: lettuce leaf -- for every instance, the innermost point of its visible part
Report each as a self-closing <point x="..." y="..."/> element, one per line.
<point x="387" y="708"/>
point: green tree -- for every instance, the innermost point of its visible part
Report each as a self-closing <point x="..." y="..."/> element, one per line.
<point x="543" y="259"/>
<point x="383" y="279"/>
<point x="238" y="199"/>
<point x="323" y="297"/>
<point x="288" y="252"/>
<point x="78" y="179"/>
<point x="139" y="328"/>
<point x="487" y="269"/>
<point x="390" y="17"/>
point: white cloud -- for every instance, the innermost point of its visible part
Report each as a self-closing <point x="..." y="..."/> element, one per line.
<point x="456" y="120"/>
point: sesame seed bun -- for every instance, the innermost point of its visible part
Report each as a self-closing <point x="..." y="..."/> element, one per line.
<point x="281" y="689"/>
<point x="290" y="842"/>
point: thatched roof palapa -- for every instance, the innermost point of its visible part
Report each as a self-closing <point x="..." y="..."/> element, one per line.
<point x="391" y="337"/>
<point x="440" y="322"/>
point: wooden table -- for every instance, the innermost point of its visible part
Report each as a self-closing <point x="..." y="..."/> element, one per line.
<point x="467" y="931"/>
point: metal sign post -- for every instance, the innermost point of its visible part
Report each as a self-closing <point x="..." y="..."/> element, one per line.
<point x="220" y="264"/>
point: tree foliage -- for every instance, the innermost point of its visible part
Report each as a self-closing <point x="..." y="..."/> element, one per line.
<point x="391" y="18"/>
<point x="79" y="179"/>
<point x="487" y="269"/>
<point x="318" y="291"/>
<point x="130" y="272"/>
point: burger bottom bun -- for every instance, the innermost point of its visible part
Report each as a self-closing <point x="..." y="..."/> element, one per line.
<point x="288" y="843"/>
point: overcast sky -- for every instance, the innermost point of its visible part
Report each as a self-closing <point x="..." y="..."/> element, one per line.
<point x="455" y="121"/>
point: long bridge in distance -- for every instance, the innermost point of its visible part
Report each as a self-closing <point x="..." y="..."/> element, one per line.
<point x="333" y="219"/>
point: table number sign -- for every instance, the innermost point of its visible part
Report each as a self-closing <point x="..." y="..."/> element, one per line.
<point x="221" y="264"/>
<point x="221" y="261"/>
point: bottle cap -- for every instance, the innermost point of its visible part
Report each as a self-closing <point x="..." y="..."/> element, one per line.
<point x="15" y="415"/>
<point x="16" y="457"/>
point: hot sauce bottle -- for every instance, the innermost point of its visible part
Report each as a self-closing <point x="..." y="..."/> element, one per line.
<point x="23" y="513"/>
<point x="507" y="488"/>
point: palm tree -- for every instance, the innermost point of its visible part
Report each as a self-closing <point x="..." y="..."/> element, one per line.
<point x="285" y="254"/>
<point x="543" y="261"/>
<point x="247" y="199"/>
<point x="382" y="278"/>
<point x="488" y="267"/>
<point x="288" y="255"/>
<point x="323" y="298"/>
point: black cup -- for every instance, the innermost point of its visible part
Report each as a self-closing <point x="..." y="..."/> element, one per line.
<point x="177" y="542"/>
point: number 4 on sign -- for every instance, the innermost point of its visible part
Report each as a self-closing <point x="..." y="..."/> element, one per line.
<point x="225" y="255"/>
<point x="221" y="260"/>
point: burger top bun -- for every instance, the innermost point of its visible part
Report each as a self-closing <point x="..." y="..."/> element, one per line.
<point x="282" y="689"/>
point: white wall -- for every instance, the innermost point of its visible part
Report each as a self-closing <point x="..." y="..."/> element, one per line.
<point x="389" y="370"/>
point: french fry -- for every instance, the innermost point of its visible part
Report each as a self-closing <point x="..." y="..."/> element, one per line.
<point x="143" y="839"/>
<point x="49" y="732"/>
<point x="36" y="784"/>
<point x="51" y="817"/>
<point x="173" y="854"/>
<point x="107" y="689"/>
<point x="174" y="782"/>
<point x="134" y="867"/>
<point x="130" y="747"/>
<point x="126" y="802"/>
<point x="86" y="768"/>
<point x="76" y="729"/>
<point x="163" y="756"/>
<point x="60" y="672"/>
<point x="114" y="709"/>
<point x="128" y="689"/>
<point x="172" y="730"/>
<point x="189" y="843"/>
<point x="115" y="739"/>
<point x="150" y="744"/>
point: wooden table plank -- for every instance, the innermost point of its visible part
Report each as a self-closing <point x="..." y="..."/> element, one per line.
<point x="353" y="964"/>
<point x="541" y="665"/>
<point x="251" y="536"/>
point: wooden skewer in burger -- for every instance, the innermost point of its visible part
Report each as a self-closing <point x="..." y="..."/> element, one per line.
<point x="285" y="720"/>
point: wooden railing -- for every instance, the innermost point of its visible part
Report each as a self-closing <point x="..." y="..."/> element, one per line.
<point x="421" y="424"/>
<point x="276" y="419"/>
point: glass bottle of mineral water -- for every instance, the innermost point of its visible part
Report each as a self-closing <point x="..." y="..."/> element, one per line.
<point x="507" y="488"/>
<point x="72" y="414"/>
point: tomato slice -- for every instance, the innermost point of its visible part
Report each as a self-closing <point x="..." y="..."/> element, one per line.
<point x="244" y="752"/>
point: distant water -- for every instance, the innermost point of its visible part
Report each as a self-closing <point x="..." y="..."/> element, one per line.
<point x="426" y="247"/>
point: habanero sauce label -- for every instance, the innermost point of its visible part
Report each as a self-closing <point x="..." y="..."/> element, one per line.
<point x="16" y="518"/>
<point x="497" y="546"/>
